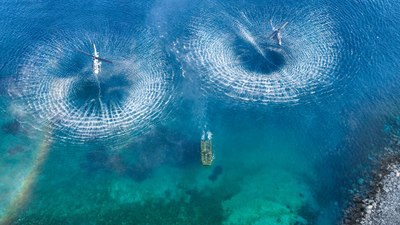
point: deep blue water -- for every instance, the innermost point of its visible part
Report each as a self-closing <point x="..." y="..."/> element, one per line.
<point x="294" y="126"/>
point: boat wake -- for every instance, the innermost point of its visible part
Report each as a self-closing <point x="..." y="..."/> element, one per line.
<point x="236" y="57"/>
<point x="56" y="85"/>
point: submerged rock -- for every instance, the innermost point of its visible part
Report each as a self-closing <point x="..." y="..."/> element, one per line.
<point x="13" y="127"/>
<point x="215" y="173"/>
<point x="15" y="150"/>
<point x="382" y="203"/>
<point x="95" y="160"/>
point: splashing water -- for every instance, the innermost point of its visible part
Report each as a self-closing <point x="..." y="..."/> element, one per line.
<point x="55" y="85"/>
<point x="236" y="57"/>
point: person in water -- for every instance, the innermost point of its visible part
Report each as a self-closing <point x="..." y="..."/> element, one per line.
<point x="277" y="34"/>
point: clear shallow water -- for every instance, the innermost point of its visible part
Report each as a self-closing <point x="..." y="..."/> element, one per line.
<point x="290" y="138"/>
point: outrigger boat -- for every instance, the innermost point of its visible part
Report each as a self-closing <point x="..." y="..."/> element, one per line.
<point x="276" y="34"/>
<point x="96" y="65"/>
<point x="207" y="156"/>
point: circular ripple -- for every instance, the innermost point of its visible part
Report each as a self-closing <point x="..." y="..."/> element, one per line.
<point x="236" y="56"/>
<point x="56" y="85"/>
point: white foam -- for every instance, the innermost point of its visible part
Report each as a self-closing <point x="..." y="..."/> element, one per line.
<point x="310" y="51"/>
<point x="49" y="79"/>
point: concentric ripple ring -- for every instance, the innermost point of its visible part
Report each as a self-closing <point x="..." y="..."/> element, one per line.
<point x="56" y="85"/>
<point x="235" y="55"/>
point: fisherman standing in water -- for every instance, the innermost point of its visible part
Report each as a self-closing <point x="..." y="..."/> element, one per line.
<point x="277" y="35"/>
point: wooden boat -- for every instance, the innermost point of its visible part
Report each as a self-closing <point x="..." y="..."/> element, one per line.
<point x="206" y="152"/>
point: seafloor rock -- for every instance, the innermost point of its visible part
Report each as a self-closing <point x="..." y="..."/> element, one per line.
<point x="381" y="206"/>
<point x="384" y="209"/>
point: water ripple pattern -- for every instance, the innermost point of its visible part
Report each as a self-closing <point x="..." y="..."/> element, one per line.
<point x="236" y="56"/>
<point x="56" y="85"/>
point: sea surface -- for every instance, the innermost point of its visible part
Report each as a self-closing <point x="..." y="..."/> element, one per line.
<point x="295" y="127"/>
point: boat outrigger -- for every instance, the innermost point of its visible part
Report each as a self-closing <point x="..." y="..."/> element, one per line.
<point x="207" y="156"/>
<point x="276" y="34"/>
<point x="96" y="66"/>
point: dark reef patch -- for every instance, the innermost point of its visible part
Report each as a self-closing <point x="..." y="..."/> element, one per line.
<point x="215" y="173"/>
<point x="162" y="147"/>
<point x="13" y="127"/>
<point x="201" y="207"/>
<point x="15" y="150"/>
<point x="96" y="160"/>
<point x="139" y="173"/>
<point x="138" y="160"/>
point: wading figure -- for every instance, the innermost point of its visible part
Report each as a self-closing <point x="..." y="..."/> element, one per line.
<point x="277" y="34"/>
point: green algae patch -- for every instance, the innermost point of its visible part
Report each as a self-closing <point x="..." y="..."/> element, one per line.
<point x="259" y="202"/>
<point x="197" y="208"/>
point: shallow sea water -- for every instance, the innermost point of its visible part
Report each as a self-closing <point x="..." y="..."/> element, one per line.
<point x="294" y="126"/>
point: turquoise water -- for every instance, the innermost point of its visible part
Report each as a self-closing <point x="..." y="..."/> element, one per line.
<point x="294" y="126"/>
